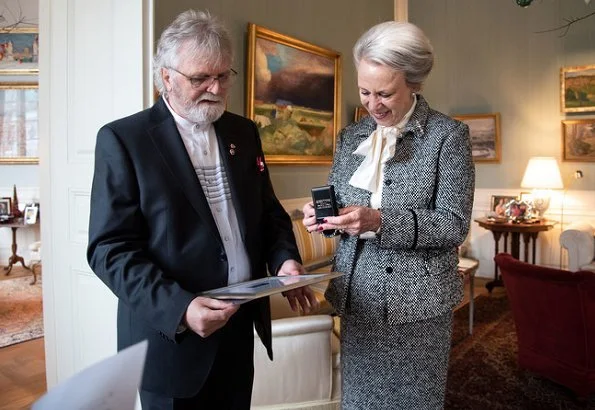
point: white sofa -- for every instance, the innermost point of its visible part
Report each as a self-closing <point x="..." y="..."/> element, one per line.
<point x="305" y="372"/>
<point x="579" y="241"/>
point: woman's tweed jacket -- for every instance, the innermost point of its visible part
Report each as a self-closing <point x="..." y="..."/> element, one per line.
<point x="427" y="198"/>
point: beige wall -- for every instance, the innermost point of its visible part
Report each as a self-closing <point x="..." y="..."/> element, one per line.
<point x="334" y="24"/>
<point x="489" y="59"/>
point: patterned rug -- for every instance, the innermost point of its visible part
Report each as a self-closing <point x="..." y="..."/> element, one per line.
<point x="21" y="316"/>
<point x="483" y="372"/>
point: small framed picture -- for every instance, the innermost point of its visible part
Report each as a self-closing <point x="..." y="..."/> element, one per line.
<point x="30" y="214"/>
<point x="578" y="140"/>
<point x="484" y="130"/>
<point x="5" y="206"/>
<point x="499" y="202"/>
<point x="576" y="89"/>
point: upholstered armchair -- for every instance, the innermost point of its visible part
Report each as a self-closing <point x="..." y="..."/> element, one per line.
<point x="554" y="315"/>
<point x="579" y="240"/>
<point x="305" y="372"/>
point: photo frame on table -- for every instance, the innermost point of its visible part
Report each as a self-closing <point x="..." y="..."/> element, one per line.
<point x="576" y="89"/>
<point x="484" y="130"/>
<point x="19" y="48"/>
<point x="578" y="140"/>
<point x="5" y="206"/>
<point x="498" y="204"/>
<point x="30" y="214"/>
<point x="293" y="95"/>
<point x="360" y="112"/>
<point x="18" y="123"/>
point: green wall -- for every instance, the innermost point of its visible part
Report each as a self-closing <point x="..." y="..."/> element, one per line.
<point x="334" y="24"/>
<point x="489" y="59"/>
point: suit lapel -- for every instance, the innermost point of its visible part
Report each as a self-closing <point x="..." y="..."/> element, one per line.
<point x="229" y="141"/>
<point x="170" y="146"/>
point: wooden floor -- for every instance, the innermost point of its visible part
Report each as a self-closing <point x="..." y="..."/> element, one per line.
<point x="22" y="367"/>
<point x="22" y="374"/>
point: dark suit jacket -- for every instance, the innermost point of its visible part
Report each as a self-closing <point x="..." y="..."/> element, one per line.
<point x="154" y="242"/>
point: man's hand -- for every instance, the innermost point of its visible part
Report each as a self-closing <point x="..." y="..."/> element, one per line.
<point x="205" y="315"/>
<point x="303" y="296"/>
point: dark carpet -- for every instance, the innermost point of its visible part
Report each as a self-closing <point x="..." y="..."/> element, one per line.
<point x="483" y="372"/>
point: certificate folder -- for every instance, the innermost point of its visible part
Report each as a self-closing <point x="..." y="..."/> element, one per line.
<point x="258" y="288"/>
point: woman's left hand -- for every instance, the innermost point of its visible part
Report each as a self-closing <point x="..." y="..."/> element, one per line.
<point x="353" y="220"/>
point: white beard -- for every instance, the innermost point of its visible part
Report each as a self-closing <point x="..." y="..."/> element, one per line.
<point x="201" y="112"/>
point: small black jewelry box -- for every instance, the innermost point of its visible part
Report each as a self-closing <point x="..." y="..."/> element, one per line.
<point x="325" y="204"/>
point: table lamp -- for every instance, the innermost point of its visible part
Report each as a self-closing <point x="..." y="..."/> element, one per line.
<point x="542" y="175"/>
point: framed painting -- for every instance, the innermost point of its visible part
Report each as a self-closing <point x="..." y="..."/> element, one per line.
<point x="293" y="96"/>
<point x="19" y="51"/>
<point x="577" y="89"/>
<point x="360" y="112"/>
<point x="484" y="130"/>
<point x="578" y="140"/>
<point x="18" y="123"/>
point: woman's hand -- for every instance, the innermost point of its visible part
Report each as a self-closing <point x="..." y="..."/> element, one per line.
<point x="309" y="220"/>
<point x="353" y="220"/>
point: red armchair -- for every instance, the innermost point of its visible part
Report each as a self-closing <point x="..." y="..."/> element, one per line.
<point x="554" y="315"/>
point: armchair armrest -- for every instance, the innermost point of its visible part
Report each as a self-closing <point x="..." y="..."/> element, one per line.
<point x="302" y="367"/>
<point x="579" y="241"/>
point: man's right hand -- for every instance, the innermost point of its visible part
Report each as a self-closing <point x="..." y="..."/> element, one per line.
<point x="204" y="316"/>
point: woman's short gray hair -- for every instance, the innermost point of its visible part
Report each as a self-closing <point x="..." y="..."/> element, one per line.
<point x="400" y="45"/>
<point x="202" y="33"/>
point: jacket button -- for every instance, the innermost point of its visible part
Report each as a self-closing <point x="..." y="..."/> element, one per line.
<point x="223" y="257"/>
<point x="389" y="270"/>
<point x="388" y="182"/>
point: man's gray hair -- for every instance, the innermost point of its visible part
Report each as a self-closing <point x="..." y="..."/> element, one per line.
<point x="399" y="45"/>
<point x="202" y="33"/>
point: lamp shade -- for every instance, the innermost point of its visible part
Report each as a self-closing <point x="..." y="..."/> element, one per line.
<point x="542" y="173"/>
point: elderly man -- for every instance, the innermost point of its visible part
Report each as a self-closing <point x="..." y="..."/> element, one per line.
<point x="182" y="203"/>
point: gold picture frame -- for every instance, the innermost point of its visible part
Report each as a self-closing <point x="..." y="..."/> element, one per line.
<point x="19" y="48"/>
<point x="19" y="138"/>
<point x="576" y="89"/>
<point x="484" y="130"/>
<point x="360" y="112"/>
<point x="294" y="96"/>
<point x="578" y="140"/>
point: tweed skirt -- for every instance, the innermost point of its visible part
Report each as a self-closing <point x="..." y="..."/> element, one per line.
<point x="402" y="366"/>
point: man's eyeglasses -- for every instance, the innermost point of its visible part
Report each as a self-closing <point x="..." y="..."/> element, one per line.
<point x="204" y="81"/>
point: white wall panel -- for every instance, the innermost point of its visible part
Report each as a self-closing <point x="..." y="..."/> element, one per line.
<point x="91" y="72"/>
<point x="95" y="333"/>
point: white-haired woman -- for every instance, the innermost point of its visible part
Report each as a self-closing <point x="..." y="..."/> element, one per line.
<point x="404" y="179"/>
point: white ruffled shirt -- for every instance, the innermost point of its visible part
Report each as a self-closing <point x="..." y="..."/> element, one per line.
<point x="378" y="148"/>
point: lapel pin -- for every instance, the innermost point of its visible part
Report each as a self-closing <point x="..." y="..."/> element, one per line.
<point x="260" y="164"/>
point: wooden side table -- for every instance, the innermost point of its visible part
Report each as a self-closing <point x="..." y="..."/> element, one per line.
<point x="529" y="233"/>
<point x="15" y="258"/>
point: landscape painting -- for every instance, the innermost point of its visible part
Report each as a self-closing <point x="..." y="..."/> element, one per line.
<point x="293" y="97"/>
<point x="19" y="51"/>
<point x="577" y="92"/>
<point x="484" y="130"/>
<point x="578" y="140"/>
